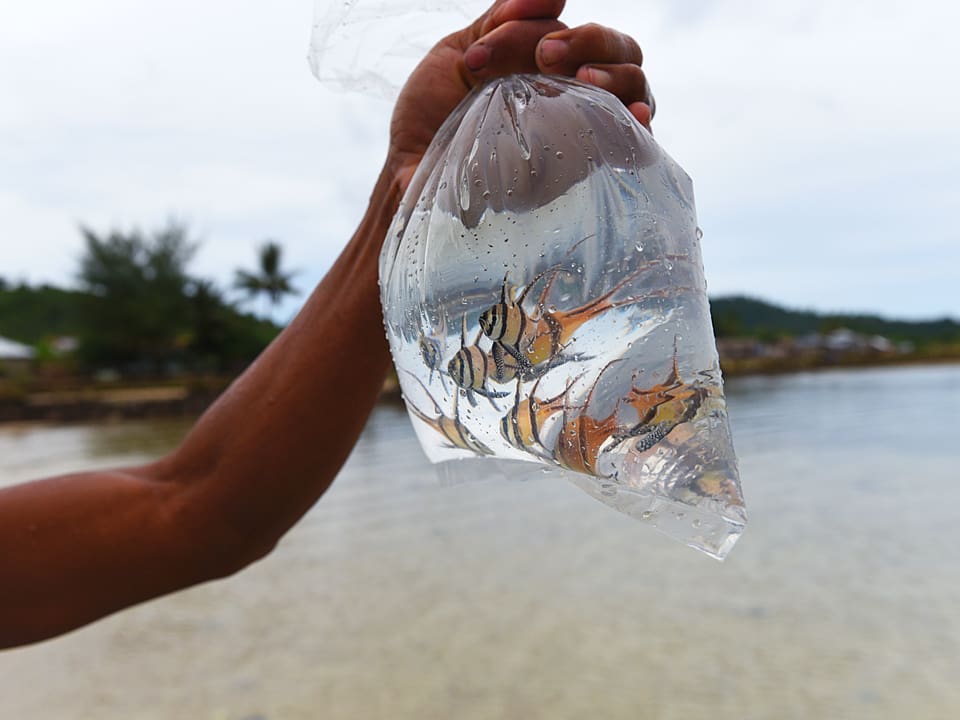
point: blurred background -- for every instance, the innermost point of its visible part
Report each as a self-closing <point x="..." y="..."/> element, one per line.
<point x="174" y="181"/>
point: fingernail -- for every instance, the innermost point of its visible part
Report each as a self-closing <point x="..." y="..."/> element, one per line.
<point x="553" y="51"/>
<point x="600" y="77"/>
<point x="476" y="57"/>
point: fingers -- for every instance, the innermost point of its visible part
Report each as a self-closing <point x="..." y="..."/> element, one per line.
<point x="563" y="52"/>
<point x="526" y="36"/>
<point x="603" y="57"/>
<point x="643" y="113"/>
<point x="504" y="11"/>
<point x="510" y="48"/>
<point x="627" y="82"/>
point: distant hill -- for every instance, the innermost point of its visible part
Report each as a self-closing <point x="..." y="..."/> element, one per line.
<point x="31" y="314"/>
<point x="739" y="316"/>
<point x="211" y="333"/>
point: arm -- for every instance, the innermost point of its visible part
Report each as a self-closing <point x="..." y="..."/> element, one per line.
<point x="78" y="547"/>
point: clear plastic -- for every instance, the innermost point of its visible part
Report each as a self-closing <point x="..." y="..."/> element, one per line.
<point x="372" y="46"/>
<point x="545" y="304"/>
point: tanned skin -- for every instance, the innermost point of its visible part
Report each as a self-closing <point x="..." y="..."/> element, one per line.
<point x="78" y="547"/>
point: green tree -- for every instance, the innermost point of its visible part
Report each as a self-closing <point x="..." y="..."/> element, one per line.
<point x="269" y="280"/>
<point x="138" y="310"/>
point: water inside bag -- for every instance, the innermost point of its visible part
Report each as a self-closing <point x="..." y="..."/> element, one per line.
<point x="545" y="304"/>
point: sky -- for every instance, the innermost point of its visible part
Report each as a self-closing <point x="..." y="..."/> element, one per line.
<point x="823" y="138"/>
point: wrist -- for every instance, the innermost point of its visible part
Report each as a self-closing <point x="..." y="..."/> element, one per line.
<point x="401" y="166"/>
<point x="382" y="205"/>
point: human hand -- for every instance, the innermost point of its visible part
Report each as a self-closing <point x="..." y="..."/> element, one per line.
<point x="513" y="36"/>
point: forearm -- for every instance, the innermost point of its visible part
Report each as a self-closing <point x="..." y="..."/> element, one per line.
<point x="272" y="444"/>
<point x="76" y="548"/>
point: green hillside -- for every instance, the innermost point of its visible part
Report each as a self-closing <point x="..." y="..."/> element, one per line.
<point x="31" y="314"/>
<point x="739" y="316"/>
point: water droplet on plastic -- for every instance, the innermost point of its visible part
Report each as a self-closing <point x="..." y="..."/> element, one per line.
<point x="559" y="155"/>
<point x="646" y="515"/>
<point x="639" y="247"/>
<point x="699" y="234"/>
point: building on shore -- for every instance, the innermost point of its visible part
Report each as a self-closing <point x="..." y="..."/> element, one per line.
<point x="14" y="357"/>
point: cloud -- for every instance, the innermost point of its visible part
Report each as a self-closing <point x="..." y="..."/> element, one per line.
<point x="818" y="136"/>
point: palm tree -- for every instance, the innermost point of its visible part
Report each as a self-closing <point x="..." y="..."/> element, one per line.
<point x="270" y="280"/>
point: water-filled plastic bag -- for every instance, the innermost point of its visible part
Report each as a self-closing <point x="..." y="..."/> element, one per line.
<point x="544" y="299"/>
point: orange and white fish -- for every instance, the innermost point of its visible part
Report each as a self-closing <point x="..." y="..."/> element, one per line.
<point x="522" y="425"/>
<point x="583" y="437"/>
<point x="451" y="428"/>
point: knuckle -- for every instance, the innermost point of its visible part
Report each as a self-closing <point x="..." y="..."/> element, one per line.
<point x="594" y="34"/>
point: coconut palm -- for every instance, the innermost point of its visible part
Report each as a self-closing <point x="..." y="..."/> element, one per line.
<point x="270" y="281"/>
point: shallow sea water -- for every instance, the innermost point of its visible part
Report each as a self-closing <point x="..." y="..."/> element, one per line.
<point x="399" y="598"/>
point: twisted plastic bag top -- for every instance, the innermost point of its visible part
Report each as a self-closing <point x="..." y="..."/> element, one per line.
<point x="372" y="46"/>
<point x="545" y="304"/>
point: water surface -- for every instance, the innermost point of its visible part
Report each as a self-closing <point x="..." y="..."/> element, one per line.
<point x="398" y="598"/>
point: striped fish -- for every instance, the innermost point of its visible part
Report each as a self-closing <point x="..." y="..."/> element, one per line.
<point x="663" y="407"/>
<point x="506" y="322"/>
<point x="455" y="433"/>
<point x="541" y="336"/>
<point x="583" y="437"/>
<point x="549" y="334"/>
<point x="522" y="425"/>
<point x="471" y="367"/>
<point x="432" y="356"/>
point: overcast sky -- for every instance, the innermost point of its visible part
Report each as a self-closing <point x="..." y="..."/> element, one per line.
<point x="823" y="138"/>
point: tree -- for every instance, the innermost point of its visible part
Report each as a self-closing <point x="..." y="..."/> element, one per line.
<point x="138" y="310"/>
<point x="270" y="280"/>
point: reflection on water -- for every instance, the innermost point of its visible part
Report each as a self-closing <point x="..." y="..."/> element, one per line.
<point x="399" y="598"/>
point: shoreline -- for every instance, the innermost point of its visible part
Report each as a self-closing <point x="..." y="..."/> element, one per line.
<point x="165" y="400"/>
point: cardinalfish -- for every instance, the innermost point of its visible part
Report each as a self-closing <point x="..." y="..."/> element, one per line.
<point x="506" y="323"/>
<point x="540" y="337"/>
<point x="432" y="352"/>
<point x="522" y="425"/>
<point x="432" y="356"/>
<point x="583" y="437"/>
<point x="471" y="367"/>
<point x="451" y="428"/>
<point x="663" y="407"/>
<point x="714" y="485"/>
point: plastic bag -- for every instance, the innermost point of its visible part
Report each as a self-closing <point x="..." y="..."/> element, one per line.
<point x="371" y="46"/>
<point x="544" y="299"/>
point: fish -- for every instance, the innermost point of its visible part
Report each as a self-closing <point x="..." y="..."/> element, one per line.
<point x="713" y="485"/>
<point x="471" y="367"/>
<point x="681" y="406"/>
<point x="583" y="436"/>
<point x="506" y="321"/>
<point x="554" y="330"/>
<point x="432" y="357"/>
<point x="432" y="352"/>
<point x="450" y="428"/>
<point x="522" y="425"/>
<point x="662" y="407"/>
<point x="538" y="337"/>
